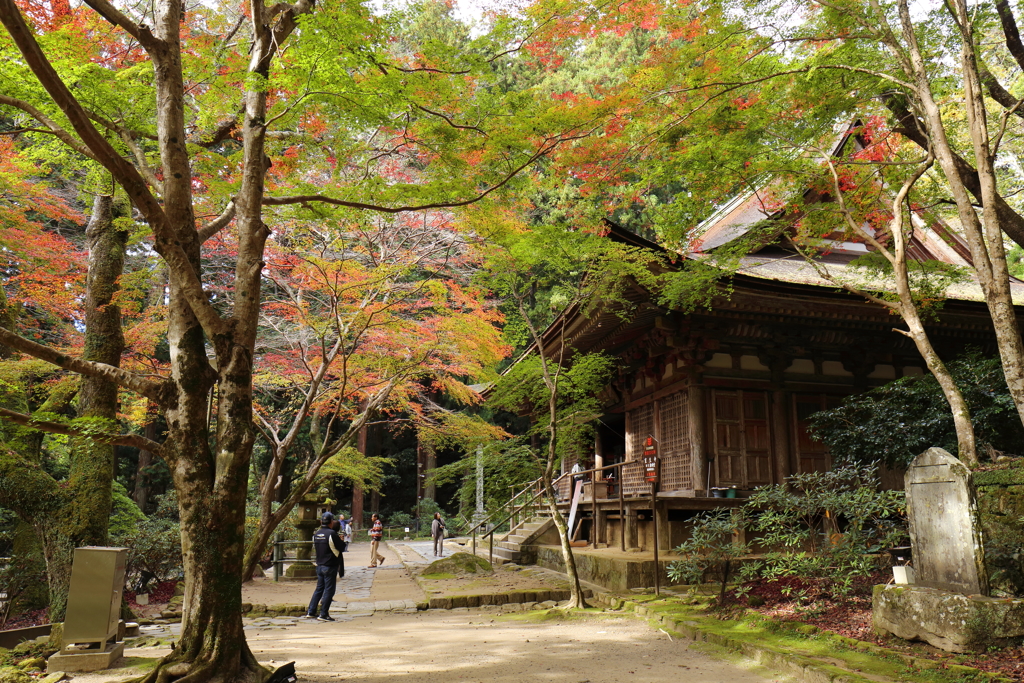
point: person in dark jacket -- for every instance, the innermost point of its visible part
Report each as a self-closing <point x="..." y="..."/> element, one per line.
<point x="327" y="546"/>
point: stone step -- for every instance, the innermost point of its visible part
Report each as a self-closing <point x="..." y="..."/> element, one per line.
<point x="517" y="538"/>
<point x="507" y="545"/>
<point x="505" y="554"/>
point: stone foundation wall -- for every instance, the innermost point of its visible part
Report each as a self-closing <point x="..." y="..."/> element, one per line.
<point x="949" y="621"/>
<point x="1001" y="509"/>
<point x="613" y="573"/>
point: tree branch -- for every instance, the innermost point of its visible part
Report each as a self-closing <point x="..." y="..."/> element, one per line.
<point x="159" y="392"/>
<point x="308" y="198"/>
<point x="221" y="133"/>
<point x="118" y="128"/>
<point x="912" y="129"/>
<point x="52" y="127"/>
<point x="115" y="17"/>
<point x="100" y="149"/>
<point x="996" y="90"/>
<point x="449" y="121"/>
<point x="218" y="223"/>
<point x="134" y="440"/>
<point x="1010" y="32"/>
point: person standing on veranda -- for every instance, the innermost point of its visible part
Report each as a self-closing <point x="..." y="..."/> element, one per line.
<point x="437" y="531"/>
<point x="376" y="533"/>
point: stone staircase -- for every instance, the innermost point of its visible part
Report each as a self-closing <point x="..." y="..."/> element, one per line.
<point x="510" y="548"/>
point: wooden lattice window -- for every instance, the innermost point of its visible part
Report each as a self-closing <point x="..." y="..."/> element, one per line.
<point x="634" y="483"/>
<point x="640" y="424"/>
<point x="676" y="468"/>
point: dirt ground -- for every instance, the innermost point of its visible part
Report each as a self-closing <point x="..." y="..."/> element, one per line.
<point x="482" y="647"/>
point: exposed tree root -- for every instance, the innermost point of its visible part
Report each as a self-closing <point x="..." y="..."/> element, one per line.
<point x="172" y="670"/>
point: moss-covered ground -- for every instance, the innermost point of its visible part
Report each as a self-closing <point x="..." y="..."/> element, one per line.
<point x="794" y="644"/>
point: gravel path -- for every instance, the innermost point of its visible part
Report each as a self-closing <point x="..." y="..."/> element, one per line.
<point x="479" y="646"/>
<point x="379" y="636"/>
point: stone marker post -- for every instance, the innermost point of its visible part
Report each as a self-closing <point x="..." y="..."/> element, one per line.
<point x="948" y="608"/>
<point x="944" y="529"/>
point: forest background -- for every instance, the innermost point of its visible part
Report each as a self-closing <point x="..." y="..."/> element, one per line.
<point x="236" y="238"/>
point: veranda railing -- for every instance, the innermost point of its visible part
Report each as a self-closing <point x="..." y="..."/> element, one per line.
<point x="521" y="506"/>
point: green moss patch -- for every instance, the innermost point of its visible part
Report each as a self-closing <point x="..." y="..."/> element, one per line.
<point x="787" y="644"/>
<point x="438" y="577"/>
<point x="460" y="564"/>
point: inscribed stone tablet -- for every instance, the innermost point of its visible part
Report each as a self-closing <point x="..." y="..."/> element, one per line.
<point x="944" y="531"/>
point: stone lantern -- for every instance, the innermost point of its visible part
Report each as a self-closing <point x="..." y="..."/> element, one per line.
<point x="309" y="511"/>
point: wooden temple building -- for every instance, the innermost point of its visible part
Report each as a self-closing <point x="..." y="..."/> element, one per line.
<point x="726" y="392"/>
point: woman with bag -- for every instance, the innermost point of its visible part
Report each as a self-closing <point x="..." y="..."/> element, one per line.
<point x="437" y="530"/>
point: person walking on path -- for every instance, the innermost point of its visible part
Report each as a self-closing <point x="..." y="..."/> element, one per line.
<point x="339" y="528"/>
<point x="437" y="530"/>
<point x="327" y="545"/>
<point x="345" y="532"/>
<point x="376" y="533"/>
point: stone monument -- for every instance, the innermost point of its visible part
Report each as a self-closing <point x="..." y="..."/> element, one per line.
<point x="948" y="606"/>
<point x="944" y="531"/>
<point x="90" y="637"/>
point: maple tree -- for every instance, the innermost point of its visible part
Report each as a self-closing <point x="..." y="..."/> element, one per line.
<point x="575" y="270"/>
<point x="44" y="271"/>
<point x="363" y="319"/>
<point x="719" y="99"/>
<point x="224" y="124"/>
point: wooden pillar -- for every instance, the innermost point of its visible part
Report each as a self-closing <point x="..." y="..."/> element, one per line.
<point x="430" y="464"/>
<point x="783" y="462"/>
<point x="699" y="450"/>
<point x="664" y="533"/>
<point x="358" y="498"/>
<point x="598" y="452"/>
<point x="632" y="530"/>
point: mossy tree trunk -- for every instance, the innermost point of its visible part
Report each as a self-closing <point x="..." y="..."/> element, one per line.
<point x="209" y="466"/>
<point x="76" y="512"/>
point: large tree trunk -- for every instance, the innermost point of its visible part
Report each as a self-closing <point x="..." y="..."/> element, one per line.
<point x="212" y="645"/>
<point x="141" y="493"/>
<point x="984" y="237"/>
<point x="86" y="512"/>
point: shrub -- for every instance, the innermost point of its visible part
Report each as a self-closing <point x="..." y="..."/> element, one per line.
<point x="827" y="525"/>
<point x="125" y="515"/>
<point x="402" y="519"/>
<point x="712" y="547"/>
<point x="154" y="544"/>
<point x="894" y="423"/>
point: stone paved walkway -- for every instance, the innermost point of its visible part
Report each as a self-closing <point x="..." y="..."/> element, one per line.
<point x="362" y="592"/>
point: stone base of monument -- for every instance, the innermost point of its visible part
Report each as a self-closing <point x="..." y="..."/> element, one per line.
<point x="87" y="660"/>
<point x="301" y="571"/>
<point x="949" y="621"/>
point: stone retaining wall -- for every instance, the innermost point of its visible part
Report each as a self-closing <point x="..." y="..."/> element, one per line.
<point x="456" y="601"/>
<point x="1001" y="510"/>
<point x="613" y="573"/>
